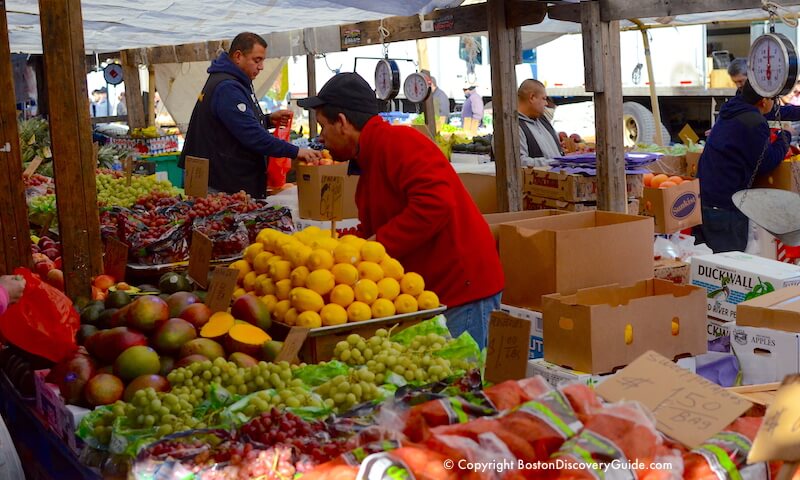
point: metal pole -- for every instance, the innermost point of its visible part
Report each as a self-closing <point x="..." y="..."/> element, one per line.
<point x="653" y="95"/>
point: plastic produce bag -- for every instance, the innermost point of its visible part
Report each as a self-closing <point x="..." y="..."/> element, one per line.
<point x="43" y="321"/>
<point x="277" y="168"/>
<point x="315" y="375"/>
<point x="436" y="325"/>
<point x="228" y="234"/>
<point x="678" y="246"/>
<point x="276" y="218"/>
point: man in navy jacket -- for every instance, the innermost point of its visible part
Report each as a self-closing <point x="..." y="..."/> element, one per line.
<point x="228" y="127"/>
<point x="739" y="138"/>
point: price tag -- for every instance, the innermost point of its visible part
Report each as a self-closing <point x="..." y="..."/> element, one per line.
<point x="779" y="435"/>
<point x="688" y="136"/>
<point x="507" y="355"/>
<point x="200" y="258"/>
<point x="128" y="164"/>
<point x="331" y="193"/>
<point x="223" y="283"/>
<point x="196" y="181"/>
<point x="292" y="345"/>
<point x="46" y="152"/>
<point x="33" y="166"/>
<point x="116" y="259"/>
<point x="687" y="407"/>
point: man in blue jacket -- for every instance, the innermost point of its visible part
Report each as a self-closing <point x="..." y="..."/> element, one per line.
<point x="228" y="127"/>
<point x="738" y="140"/>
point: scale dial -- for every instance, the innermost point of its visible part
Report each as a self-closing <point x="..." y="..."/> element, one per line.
<point x="387" y="79"/>
<point x="417" y="87"/>
<point x="772" y="66"/>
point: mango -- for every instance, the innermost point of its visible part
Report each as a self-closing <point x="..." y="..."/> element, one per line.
<point x="103" y="389"/>
<point x="177" y="302"/>
<point x="71" y="376"/>
<point x="243" y="360"/>
<point x="136" y="361"/>
<point x="252" y="310"/>
<point x="167" y="364"/>
<point x="197" y="314"/>
<point x="172" y="335"/>
<point x="202" y="346"/>
<point x="271" y="349"/>
<point x="147" y="313"/>
<point x="190" y="359"/>
<point x="106" y="345"/>
<point x="156" y="382"/>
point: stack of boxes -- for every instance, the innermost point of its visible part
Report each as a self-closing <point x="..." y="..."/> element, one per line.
<point x="585" y="281"/>
<point x="543" y="189"/>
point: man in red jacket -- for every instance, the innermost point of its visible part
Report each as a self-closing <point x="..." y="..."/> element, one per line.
<point x="411" y="200"/>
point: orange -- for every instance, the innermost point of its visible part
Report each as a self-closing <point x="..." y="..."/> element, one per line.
<point x="647" y="178"/>
<point x="667" y="184"/>
<point x="675" y="179"/>
<point x="656" y="181"/>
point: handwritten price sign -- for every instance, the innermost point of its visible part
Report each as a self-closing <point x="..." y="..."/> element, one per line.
<point x="507" y="355"/>
<point x="687" y="407"/>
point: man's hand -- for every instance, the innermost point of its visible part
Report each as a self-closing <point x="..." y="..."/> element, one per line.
<point x="14" y="285"/>
<point x="312" y="157"/>
<point x="281" y="117"/>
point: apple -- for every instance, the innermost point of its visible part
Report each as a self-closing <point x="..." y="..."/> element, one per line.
<point x="43" y="267"/>
<point x="52" y="253"/>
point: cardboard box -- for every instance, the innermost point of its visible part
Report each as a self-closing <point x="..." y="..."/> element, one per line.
<point x="567" y="252"/>
<point x="721" y="79"/>
<point x="535" y="202"/>
<point x="719" y="335"/>
<point x="785" y="177"/>
<point x="557" y="376"/>
<point x="674" y="208"/>
<point x="765" y="355"/>
<point x="570" y="187"/>
<point x="672" y="270"/>
<point x="605" y="328"/>
<point x="496" y="219"/>
<point x="779" y="310"/>
<point x="326" y="192"/>
<point x="482" y="189"/>
<point x="742" y="273"/>
<point x="668" y="164"/>
<point x="692" y="162"/>
<point x="536" y="346"/>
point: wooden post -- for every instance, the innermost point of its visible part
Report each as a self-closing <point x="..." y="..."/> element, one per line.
<point x="133" y="91"/>
<point x="15" y="242"/>
<point x="76" y="195"/>
<point x="602" y="60"/>
<point x="151" y="97"/>
<point x="502" y="41"/>
<point x="311" y="66"/>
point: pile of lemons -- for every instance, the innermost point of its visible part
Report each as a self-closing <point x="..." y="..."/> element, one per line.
<point x="310" y="279"/>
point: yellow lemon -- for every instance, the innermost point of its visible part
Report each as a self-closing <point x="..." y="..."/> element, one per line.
<point x="373" y="251"/>
<point x="243" y="267"/>
<point x="321" y="281"/>
<point x="358" y="312"/>
<point x="265" y="285"/>
<point x="290" y="317"/>
<point x="270" y="301"/>
<point x="299" y="275"/>
<point x="312" y="230"/>
<point x="427" y="300"/>
<point x="392" y="268"/>
<point x="249" y="281"/>
<point x="405" y="303"/>
<point x="280" y="270"/>
<point x="333" y="314"/>
<point x="412" y="284"/>
<point x="370" y="270"/>
<point x="299" y="256"/>
<point x="383" y="308"/>
<point x="346" y="253"/>
<point x="320" y="260"/>
<point x="305" y="238"/>
<point x="265" y="236"/>
<point x="342" y="295"/>
<point x="326" y="243"/>
<point x="273" y="259"/>
<point x="366" y="291"/>
<point x="354" y="241"/>
<point x="345" y="274"/>
<point x="252" y="250"/>
<point x="260" y="263"/>
<point x="309" y="320"/>
<point x="239" y="292"/>
<point x="282" y="289"/>
<point x="280" y="309"/>
<point x="305" y="300"/>
<point x="388" y="288"/>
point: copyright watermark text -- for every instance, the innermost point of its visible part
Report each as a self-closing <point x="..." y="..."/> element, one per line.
<point x="557" y="464"/>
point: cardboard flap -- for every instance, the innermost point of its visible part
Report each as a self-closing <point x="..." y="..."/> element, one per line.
<point x="515" y="249"/>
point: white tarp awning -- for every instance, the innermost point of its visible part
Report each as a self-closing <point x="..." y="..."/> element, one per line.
<point x="111" y="25"/>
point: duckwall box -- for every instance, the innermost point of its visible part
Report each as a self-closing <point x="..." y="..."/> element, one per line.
<point x="598" y="330"/>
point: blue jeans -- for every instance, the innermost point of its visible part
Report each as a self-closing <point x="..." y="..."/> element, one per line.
<point x="473" y="318"/>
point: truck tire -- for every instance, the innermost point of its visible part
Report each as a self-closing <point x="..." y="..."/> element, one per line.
<point x="639" y="125"/>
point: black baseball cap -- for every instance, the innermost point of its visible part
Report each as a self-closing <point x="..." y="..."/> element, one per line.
<point x="344" y="90"/>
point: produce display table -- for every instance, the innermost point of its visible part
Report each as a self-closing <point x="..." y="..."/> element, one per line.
<point x="43" y="455"/>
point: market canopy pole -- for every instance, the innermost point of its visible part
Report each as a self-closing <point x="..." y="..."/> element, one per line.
<point x="651" y="81"/>
<point x="601" y="57"/>
<point x="15" y="242"/>
<point x="71" y="139"/>
<point x="311" y="66"/>
<point x="133" y="91"/>
<point x="151" y="97"/>
<point x="503" y="48"/>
